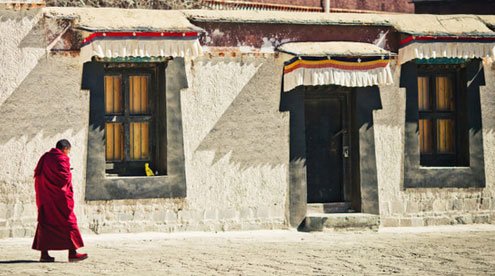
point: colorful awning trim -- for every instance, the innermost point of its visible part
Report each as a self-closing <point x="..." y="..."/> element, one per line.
<point x="343" y="63"/>
<point x="141" y="44"/>
<point x="428" y="47"/>
<point x="344" y="71"/>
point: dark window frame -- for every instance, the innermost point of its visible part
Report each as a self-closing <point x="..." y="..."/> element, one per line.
<point x="171" y="181"/>
<point x="460" y="156"/>
<point x="128" y="167"/>
<point x="416" y="176"/>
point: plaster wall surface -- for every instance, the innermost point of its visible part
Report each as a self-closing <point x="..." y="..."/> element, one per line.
<point x="236" y="146"/>
<point x="429" y="206"/>
<point x="235" y="138"/>
<point x="236" y="155"/>
<point x="21" y="46"/>
<point x="47" y="106"/>
<point x="235" y="142"/>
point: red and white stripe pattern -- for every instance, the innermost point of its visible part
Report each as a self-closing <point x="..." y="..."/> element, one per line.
<point x="141" y="44"/>
<point x="428" y="47"/>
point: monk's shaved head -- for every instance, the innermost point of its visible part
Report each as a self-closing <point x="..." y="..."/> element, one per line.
<point x="63" y="144"/>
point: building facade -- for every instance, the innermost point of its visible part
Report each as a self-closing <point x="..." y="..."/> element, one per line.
<point x="249" y="119"/>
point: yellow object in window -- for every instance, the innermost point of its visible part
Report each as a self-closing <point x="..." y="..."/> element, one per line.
<point x="148" y="170"/>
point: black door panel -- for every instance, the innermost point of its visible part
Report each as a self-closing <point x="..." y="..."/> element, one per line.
<point x="326" y="136"/>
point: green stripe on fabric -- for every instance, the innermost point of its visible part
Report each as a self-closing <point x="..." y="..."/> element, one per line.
<point x="441" y="60"/>
<point x="132" y="59"/>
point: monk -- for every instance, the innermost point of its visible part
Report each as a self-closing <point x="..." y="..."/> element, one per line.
<point x="57" y="224"/>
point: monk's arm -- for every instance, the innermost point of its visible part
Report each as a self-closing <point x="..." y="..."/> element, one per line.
<point x="64" y="173"/>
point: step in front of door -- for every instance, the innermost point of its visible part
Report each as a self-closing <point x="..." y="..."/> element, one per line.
<point x="340" y="222"/>
<point x="334" y="207"/>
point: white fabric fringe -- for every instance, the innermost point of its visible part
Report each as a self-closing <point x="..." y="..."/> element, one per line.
<point x="445" y="50"/>
<point x="327" y="76"/>
<point x="141" y="48"/>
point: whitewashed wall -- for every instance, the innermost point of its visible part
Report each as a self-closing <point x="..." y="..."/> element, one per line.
<point x="230" y="114"/>
<point x="236" y="144"/>
<point x="40" y="102"/>
<point x="236" y="154"/>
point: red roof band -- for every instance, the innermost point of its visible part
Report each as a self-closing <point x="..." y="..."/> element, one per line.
<point x="96" y="35"/>
<point x="412" y="38"/>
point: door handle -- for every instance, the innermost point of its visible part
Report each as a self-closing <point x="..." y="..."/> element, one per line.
<point x="345" y="151"/>
<point x="342" y="131"/>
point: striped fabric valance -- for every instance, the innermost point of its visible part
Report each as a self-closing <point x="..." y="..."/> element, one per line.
<point x="344" y="71"/>
<point x="140" y="44"/>
<point x="428" y="47"/>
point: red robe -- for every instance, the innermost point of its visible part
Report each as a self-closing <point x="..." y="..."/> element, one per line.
<point x="57" y="224"/>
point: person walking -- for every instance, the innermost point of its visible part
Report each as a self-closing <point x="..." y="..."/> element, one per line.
<point x="57" y="224"/>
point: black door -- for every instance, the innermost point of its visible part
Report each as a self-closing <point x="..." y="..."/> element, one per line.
<point x="327" y="148"/>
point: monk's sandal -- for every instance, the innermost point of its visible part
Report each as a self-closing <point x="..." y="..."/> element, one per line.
<point x="47" y="260"/>
<point x="78" y="257"/>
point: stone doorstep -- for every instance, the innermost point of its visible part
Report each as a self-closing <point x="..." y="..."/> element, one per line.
<point x="334" y="207"/>
<point x="340" y="222"/>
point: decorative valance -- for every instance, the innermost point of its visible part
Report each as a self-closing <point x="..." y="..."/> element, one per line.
<point x="428" y="47"/>
<point x="140" y="44"/>
<point x="350" y="72"/>
<point x="352" y="64"/>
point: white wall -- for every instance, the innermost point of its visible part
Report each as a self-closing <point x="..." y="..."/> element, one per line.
<point x="235" y="140"/>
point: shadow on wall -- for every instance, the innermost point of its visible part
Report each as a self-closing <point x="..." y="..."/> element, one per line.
<point x="36" y="38"/>
<point x="479" y="79"/>
<point x="252" y="129"/>
<point x="27" y="36"/>
<point x="475" y="78"/>
<point x="50" y="33"/>
<point x="48" y="102"/>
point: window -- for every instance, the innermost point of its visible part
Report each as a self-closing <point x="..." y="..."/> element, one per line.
<point x="135" y="117"/>
<point x="129" y="121"/>
<point x="441" y="115"/>
<point x="443" y="126"/>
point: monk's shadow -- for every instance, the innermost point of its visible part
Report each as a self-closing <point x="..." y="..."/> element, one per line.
<point x="19" y="262"/>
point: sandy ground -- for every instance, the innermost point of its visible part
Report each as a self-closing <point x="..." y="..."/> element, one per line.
<point x="433" y="251"/>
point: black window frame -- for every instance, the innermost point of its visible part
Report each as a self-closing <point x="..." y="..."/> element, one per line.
<point x="460" y="157"/>
<point x="171" y="181"/>
<point x="128" y="167"/>
<point x="419" y="177"/>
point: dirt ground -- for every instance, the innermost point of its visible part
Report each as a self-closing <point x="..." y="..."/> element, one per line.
<point x="433" y="251"/>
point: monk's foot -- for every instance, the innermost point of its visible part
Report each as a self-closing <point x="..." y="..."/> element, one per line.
<point x="77" y="257"/>
<point x="47" y="259"/>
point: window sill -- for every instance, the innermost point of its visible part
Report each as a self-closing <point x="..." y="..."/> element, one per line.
<point x="444" y="168"/>
<point x="113" y="177"/>
<point x="138" y="187"/>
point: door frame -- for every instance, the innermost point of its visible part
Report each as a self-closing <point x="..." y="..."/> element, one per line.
<point x="345" y="95"/>
<point x="362" y="102"/>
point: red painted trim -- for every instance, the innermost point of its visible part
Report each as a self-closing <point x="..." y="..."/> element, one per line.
<point x="444" y="38"/>
<point x="92" y="36"/>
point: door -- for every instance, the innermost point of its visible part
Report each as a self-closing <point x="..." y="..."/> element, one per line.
<point x="327" y="143"/>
